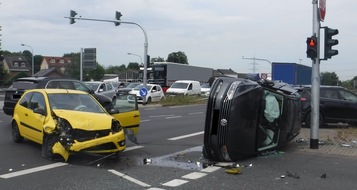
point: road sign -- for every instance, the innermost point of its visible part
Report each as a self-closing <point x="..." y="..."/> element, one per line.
<point x="322" y="9"/>
<point x="90" y="58"/>
<point x="143" y="92"/>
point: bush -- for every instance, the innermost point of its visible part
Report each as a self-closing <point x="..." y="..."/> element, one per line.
<point x="182" y="100"/>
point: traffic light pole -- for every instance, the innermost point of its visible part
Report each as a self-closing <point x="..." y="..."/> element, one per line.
<point x="146" y="44"/>
<point x="315" y="82"/>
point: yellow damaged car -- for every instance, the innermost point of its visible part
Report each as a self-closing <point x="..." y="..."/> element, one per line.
<point x="68" y="121"/>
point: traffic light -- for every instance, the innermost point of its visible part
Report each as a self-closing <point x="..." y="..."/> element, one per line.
<point x="117" y="16"/>
<point x="1" y="56"/>
<point x="72" y="14"/>
<point x="329" y="42"/>
<point x="311" y="51"/>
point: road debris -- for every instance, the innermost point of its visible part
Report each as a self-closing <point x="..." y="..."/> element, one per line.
<point x="293" y="175"/>
<point x="323" y="176"/>
<point x="234" y="171"/>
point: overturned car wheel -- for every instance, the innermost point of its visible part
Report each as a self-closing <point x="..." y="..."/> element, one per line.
<point x="47" y="144"/>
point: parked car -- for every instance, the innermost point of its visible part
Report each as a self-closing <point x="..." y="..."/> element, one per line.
<point x="154" y="93"/>
<point x="337" y="104"/>
<point x="104" y="88"/>
<point x="184" y="87"/>
<point x="18" y="87"/>
<point x="205" y="89"/>
<point x="246" y="117"/>
<point x="68" y="121"/>
<point x="127" y="89"/>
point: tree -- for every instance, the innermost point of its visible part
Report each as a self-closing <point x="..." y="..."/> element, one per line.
<point x="73" y="69"/>
<point x="133" y="66"/>
<point x="328" y="78"/>
<point x="97" y="73"/>
<point x="115" y="69"/>
<point x="177" y="57"/>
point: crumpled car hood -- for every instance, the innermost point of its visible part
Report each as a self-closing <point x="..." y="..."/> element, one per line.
<point x="86" y="120"/>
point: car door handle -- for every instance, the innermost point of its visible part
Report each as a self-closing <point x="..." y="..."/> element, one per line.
<point x="136" y="115"/>
<point x="26" y="114"/>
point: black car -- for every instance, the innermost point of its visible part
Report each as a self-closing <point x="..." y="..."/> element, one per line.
<point x="246" y="117"/>
<point x="15" y="91"/>
<point x="337" y="104"/>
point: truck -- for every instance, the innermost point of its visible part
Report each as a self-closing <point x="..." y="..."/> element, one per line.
<point x="166" y="73"/>
<point x="291" y="73"/>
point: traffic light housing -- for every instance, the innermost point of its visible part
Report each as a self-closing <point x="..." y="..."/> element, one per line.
<point x="329" y="43"/>
<point x="1" y="56"/>
<point x="72" y="14"/>
<point x="311" y="51"/>
<point x="117" y="16"/>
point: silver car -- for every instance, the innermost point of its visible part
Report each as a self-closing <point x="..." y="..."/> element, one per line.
<point x="104" y="88"/>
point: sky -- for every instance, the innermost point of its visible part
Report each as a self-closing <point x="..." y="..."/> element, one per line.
<point x="220" y="34"/>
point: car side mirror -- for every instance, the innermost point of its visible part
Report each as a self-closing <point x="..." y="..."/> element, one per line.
<point x="113" y="111"/>
<point x="39" y="111"/>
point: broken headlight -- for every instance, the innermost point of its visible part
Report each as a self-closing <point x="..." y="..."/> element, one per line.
<point x="232" y="89"/>
<point x="65" y="131"/>
<point x="116" y="127"/>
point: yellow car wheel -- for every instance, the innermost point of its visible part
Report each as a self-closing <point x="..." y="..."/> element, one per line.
<point x="16" y="136"/>
<point x="48" y="141"/>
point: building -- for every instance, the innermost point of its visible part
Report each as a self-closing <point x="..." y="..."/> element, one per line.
<point x="59" y="63"/>
<point x="16" y="64"/>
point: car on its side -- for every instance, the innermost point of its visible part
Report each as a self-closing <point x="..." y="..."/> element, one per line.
<point x="69" y="121"/>
<point x="104" y="88"/>
<point x="127" y="89"/>
<point x="246" y="117"/>
<point x="154" y="93"/>
<point x="18" y="87"/>
<point x="337" y="104"/>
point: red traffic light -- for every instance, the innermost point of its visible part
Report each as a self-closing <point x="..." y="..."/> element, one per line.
<point x="312" y="42"/>
<point x="311" y="51"/>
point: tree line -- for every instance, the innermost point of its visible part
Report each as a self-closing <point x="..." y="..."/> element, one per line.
<point x="73" y="70"/>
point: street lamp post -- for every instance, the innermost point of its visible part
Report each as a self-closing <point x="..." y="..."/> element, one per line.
<point x="254" y="58"/>
<point x="33" y="63"/>
<point x="141" y="60"/>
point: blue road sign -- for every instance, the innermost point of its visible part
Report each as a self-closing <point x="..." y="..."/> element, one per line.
<point x="143" y="92"/>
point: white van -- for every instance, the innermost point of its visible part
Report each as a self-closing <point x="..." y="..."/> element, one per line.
<point x="184" y="87"/>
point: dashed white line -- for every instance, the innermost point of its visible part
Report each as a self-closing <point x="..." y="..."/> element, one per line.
<point x="129" y="178"/>
<point x="185" y="136"/>
<point x="32" y="170"/>
<point x="142" y="121"/>
<point x="195" y="113"/>
<point x="194" y="175"/>
<point x="162" y="115"/>
<point x="132" y="148"/>
<point x="175" y="183"/>
<point x="173" y="117"/>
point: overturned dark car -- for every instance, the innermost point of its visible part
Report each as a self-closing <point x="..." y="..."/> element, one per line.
<point x="246" y="117"/>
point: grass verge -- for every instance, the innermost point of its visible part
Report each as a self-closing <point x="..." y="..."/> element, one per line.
<point x="183" y="100"/>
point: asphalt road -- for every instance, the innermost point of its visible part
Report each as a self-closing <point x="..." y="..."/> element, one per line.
<point x="168" y="156"/>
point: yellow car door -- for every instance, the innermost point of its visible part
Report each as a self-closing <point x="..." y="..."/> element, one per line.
<point x="128" y="116"/>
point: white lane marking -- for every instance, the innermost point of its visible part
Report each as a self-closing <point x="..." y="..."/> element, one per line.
<point x="132" y="148"/>
<point x="32" y="170"/>
<point x="194" y="175"/>
<point x="149" y="109"/>
<point x="185" y="136"/>
<point x="129" y="178"/>
<point x="162" y="115"/>
<point x="195" y="113"/>
<point x="175" y="183"/>
<point x="142" y="121"/>
<point x="210" y="169"/>
<point x="173" y="117"/>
